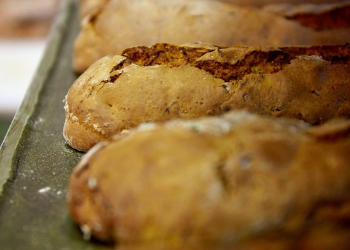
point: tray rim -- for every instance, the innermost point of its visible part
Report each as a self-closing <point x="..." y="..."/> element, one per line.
<point x="10" y="149"/>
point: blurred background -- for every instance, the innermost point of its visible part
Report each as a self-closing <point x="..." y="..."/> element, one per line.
<point x="24" y="26"/>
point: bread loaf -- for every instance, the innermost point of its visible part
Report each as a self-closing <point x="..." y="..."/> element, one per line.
<point x="218" y="181"/>
<point x="162" y="82"/>
<point x="90" y="6"/>
<point x="268" y="2"/>
<point x="125" y="23"/>
<point x="21" y="19"/>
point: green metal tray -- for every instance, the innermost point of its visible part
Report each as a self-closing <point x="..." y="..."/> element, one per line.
<point x="35" y="161"/>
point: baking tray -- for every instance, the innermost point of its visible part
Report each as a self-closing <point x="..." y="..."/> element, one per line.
<point x="35" y="161"/>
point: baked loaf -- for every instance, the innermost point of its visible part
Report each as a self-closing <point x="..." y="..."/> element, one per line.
<point x="162" y="82"/>
<point x="317" y="17"/>
<point x="125" y="23"/>
<point x="219" y="180"/>
<point x="90" y="6"/>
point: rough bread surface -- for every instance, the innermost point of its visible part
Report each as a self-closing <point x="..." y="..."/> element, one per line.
<point x="236" y="179"/>
<point x="122" y="24"/>
<point x="162" y="82"/>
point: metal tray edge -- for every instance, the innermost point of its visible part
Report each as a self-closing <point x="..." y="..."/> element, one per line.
<point x="11" y="146"/>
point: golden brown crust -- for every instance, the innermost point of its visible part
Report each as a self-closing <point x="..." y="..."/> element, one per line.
<point x="162" y="82"/>
<point x="80" y="136"/>
<point x="306" y="90"/>
<point x="89" y="6"/>
<point x="217" y="181"/>
<point x="122" y="24"/>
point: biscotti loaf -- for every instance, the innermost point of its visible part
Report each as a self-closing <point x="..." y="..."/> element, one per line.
<point x="219" y="180"/>
<point x="162" y="82"/>
<point x="125" y="23"/>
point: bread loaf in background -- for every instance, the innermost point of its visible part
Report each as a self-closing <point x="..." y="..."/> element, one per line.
<point x="90" y="6"/>
<point x="259" y="3"/>
<point x="163" y="82"/>
<point x="24" y="19"/>
<point x="219" y="181"/>
<point x="125" y="23"/>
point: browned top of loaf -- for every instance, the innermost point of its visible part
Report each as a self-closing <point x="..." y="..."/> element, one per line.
<point x="122" y="24"/>
<point x="230" y="63"/>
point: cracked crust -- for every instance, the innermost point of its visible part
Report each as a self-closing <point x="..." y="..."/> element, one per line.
<point x="162" y="82"/>
<point x="218" y="180"/>
<point x="112" y="29"/>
